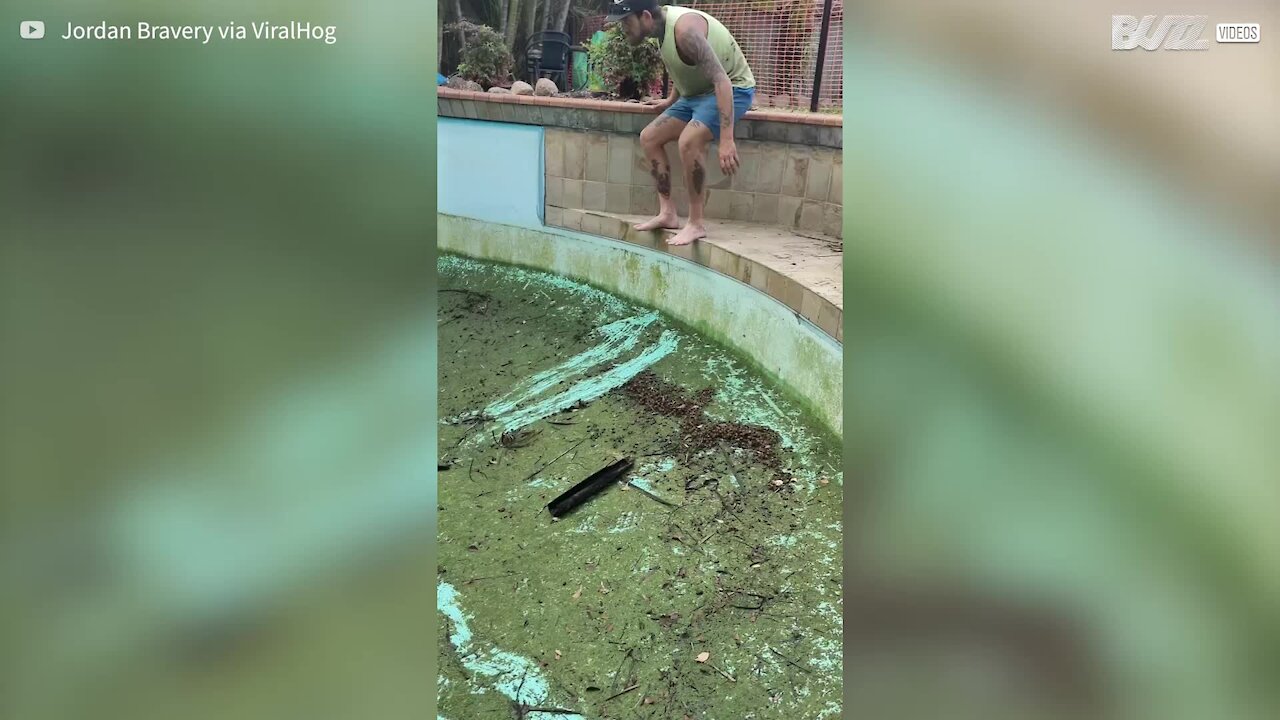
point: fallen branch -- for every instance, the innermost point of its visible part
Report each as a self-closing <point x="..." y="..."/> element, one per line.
<point x="534" y="474"/>
<point x="652" y="496"/>
<point x="621" y="693"/>
<point x="789" y="660"/>
<point x="727" y="675"/>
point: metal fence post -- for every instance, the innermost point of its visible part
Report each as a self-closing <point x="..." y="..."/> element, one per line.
<point x="822" y="55"/>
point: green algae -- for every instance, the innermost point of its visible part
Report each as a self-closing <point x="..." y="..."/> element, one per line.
<point x="804" y="374"/>
<point x="626" y="590"/>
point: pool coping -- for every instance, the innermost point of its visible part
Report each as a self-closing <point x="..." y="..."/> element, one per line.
<point x="771" y="265"/>
<point x="818" y="130"/>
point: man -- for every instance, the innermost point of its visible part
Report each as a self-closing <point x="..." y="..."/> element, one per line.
<point x="713" y="89"/>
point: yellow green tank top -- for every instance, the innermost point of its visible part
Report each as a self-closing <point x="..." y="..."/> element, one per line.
<point x="688" y="79"/>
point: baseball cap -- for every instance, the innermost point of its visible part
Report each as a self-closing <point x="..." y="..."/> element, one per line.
<point x="619" y="9"/>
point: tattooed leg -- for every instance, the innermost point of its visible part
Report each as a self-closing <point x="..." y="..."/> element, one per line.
<point x="693" y="155"/>
<point x="654" y="140"/>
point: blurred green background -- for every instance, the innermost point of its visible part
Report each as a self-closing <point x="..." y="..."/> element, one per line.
<point x="217" y="366"/>
<point x="1062" y="366"/>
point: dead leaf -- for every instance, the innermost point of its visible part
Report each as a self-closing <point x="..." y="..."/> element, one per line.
<point x="557" y="654"/>
<point x="647" y="701"/>
<point x="578" y="594"/>
<point x="603" y="590"/>
<point x="703" y="656"/>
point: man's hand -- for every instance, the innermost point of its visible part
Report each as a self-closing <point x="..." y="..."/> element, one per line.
<point x="728" y="155"/>
<point x="661" y="103"/>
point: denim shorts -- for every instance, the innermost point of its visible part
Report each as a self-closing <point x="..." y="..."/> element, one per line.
<point x="703" y="108"/>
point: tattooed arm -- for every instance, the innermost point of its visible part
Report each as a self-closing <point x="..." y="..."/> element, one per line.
<point x="691" y="41"/>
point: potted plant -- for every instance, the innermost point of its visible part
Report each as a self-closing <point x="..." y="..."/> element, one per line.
<point x="628" y="71"/>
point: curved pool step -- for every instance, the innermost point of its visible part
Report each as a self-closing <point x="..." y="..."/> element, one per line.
<point x="802" y="271"/>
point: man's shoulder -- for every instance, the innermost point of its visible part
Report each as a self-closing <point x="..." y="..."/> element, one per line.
<point x="691" y="21"/>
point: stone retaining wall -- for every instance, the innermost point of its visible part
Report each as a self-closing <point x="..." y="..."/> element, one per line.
<point x="790" y="174"/>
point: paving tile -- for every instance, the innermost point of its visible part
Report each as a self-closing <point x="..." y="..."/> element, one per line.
<point x="741" y="206"/>
<point x="773" y="159"/>
<point x="765" y="209"/>
<point x="837" y="184"/>
<point x="759" y="276"/>
<point x="553" y="141"/>
<point x="593" y="196"/>
<point x="818" y="182"/>
<point x="795" y="171"/>
<point x="718" y="204"/>
<point x="622" y="153"/>
<point x="832" y="219"/>
<point x="811" y="217"/>
<point x="572" y="219"/>
<point x="681" y="197"/>
<point x="749" y="159"/>
<point x="572" y="194"/>
<point x="810" y="304"/>
<point x="555" y="192"/>
<point x="788" y="210"/>
<point x="784" y="289"/>
<point x="830" y="319"/>
<point x="554" y="216"/>
<point x="716" y="179"/>
<point x="640" y="168"/>
<point x="575" y="159"/>
<point x="597" y="157"/>
<point x="617" y="198"/>
<point x="644" y="201"/>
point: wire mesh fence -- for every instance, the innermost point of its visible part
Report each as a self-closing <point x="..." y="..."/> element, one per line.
<point x="781" y="40"/>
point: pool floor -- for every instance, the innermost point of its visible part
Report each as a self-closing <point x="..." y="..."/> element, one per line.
<point x="710" y="587"/>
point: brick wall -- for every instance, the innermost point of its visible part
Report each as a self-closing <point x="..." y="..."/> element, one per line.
<point x="792" y="186"/>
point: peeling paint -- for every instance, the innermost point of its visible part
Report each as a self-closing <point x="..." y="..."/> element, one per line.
<point x="517" y="677"/>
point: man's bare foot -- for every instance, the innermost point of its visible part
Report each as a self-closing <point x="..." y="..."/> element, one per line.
<point x="688" y="234"/>
<point x="670" y="222"/>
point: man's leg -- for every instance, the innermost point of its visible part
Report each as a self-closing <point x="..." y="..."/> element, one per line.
<point x="693" y="155"/>
<point x="654" y="140"/>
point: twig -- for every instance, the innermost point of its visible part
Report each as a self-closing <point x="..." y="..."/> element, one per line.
<point x="534" y="474"/>
<point x="789" y="660"/>
<point x="668" y="503"/>
<point x="490" y="577"/>
<point x="727" y="675"/>
<point x="617" y="674"/>
<point x="621" y="693"/>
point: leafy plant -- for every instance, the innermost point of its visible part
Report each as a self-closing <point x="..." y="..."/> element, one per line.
<point x="486" y="59"/>
<point x="627" y="70"/>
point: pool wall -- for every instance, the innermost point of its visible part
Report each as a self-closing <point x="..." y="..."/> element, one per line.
<point x="491" y="195"/>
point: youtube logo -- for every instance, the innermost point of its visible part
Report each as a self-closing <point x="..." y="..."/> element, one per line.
<point x="31" y="29"/>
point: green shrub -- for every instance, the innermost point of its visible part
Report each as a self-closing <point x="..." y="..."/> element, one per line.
<point x="485" y="56"/>
<point x="627" y="70"/>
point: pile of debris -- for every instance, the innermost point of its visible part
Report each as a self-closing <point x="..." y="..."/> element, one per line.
<point x="699" y="432"/>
